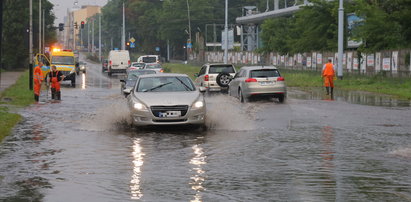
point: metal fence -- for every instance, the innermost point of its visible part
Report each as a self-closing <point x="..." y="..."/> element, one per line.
<point x="392" y="63"/>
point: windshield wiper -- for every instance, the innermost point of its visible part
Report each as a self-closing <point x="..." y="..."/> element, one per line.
<point x="185" y="85"/>
<point x="159" y="86"/>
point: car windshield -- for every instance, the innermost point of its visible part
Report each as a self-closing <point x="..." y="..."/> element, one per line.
<point x="165" y="84"/>
<point x="216" y="69"/>
<point x="63" y="60"/>
<point x="264" y="73"/>
<point x="133" y="75"/>
<point x="149" y="59"/>
<point x="138" y="65"/>
<point x="153" y="66"/>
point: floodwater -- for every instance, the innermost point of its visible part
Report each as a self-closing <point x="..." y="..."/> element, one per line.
<point x="309" y="149"/>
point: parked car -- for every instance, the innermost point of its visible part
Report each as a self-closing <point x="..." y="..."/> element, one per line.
<point x="132" y="76"/>
<point x="258" y="81"/>
<point x="166" y="99"/>
<point x="215" y="77"/>
<point x="118" y="61"/>
<point x="104" y="66"/>
<point x="136" y="65"/>
<point x="154" y="66"/>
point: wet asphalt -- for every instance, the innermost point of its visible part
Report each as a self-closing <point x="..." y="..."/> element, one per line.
<point x="356" y="147"/>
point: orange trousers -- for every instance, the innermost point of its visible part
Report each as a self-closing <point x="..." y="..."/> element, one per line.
<point x="37" y="87"/>
<point x="329" y="81"/>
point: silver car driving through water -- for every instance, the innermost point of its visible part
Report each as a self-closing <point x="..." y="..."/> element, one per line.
<point x="258" y="81"/>
<point x="166" y="99"/>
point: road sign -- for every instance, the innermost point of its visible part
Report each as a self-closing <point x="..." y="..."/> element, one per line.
<point x="189" y="45"/>
<point x="132" y="40"/>
<point x="132" y="45"/>
<point x="158" y="49"/>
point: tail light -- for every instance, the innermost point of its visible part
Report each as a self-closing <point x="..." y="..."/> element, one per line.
<point x="111" y="62"/>
<point x="206" y="77"/>
<point x="161" y="70"/>
<point x="129" y="63"/>
<point x="280" y="78"/>
<point x="250" y="80"/>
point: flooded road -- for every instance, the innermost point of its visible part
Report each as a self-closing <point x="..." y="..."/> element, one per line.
<point x="353" y="148"/>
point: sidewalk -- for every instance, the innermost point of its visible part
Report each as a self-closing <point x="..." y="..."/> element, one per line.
<point x="8" y="79"/>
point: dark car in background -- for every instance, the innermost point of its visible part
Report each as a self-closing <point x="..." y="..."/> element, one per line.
<point x="104" y="66"/>
<point x="132" y="76"/>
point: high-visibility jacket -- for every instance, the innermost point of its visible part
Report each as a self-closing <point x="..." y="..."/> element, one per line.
<point x="37" y="78"/>
<point x="328" y="69"/>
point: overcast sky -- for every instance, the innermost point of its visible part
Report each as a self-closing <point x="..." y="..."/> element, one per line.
<point x="61" y="6"/>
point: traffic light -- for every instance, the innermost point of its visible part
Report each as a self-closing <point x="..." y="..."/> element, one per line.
<point x="61" y="26"/>
<point x="75" y="25"/>
<point x="82" y="24"/>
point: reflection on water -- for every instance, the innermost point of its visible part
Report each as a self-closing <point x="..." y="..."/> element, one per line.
<point x="138" y="161"/>
<point x="83" y="81"/>
<point x="197" y="179"/>
<point x="355" y="97"/>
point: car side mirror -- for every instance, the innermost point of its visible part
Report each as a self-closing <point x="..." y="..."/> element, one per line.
<point x="202" y="89"/>
<point x="196" y="74"/>
<point x="127" y="91"/>
<point x="77" y="64"/>
<point x="122" y="80"/>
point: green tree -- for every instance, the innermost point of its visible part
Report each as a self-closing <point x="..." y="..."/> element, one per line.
<point x="15" y="37"/>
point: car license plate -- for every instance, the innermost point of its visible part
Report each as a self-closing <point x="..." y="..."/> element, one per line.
<point x="266" y="83"/>
<point x="169" y="114"/>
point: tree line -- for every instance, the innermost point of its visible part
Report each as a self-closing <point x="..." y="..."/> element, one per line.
<point x="15" y="36"/>
<point x="385" y="25"/>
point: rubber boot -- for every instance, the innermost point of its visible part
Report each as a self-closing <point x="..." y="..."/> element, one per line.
<point x="328" y="90"/>
<point x="332" y="91"/>
<point x="53" y="93"/>
<point x="36" y="98"/>
<point x="58" y="95"/>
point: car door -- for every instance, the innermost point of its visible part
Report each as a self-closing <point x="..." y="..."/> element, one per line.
<point x="235" y="83"/>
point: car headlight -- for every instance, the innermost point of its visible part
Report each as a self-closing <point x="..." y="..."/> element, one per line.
<point x="139" y="106"/>
<point x="198" y="104"/>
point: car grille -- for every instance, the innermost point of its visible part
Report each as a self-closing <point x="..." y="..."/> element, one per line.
<point x="157" y="109"/>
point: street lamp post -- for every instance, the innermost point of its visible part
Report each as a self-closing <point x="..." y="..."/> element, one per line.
<point x="226" y="33"/>
<point x="340" y="39"/>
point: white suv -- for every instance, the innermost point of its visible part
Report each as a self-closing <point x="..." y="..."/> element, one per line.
<point x="215" y="77"/>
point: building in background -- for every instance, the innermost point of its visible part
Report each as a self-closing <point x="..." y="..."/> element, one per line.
<point x="75" y="16"/>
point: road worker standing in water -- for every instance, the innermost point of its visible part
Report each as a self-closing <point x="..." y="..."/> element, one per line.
<point x="328" y="74"/>
<point x="55" y="78"/>
<point x="38" y="79"/>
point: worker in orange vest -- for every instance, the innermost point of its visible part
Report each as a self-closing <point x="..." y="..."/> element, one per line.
<point x="38" y="79"/>
<point x="55" y="78"/>
<point x="328" y="74"/>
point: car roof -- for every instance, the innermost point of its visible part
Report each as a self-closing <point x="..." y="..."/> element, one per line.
<point x="141" y="70"/>
<point x="211" y="64"/>
<point x="257" y="67"/>
<point x="162" y="75"/>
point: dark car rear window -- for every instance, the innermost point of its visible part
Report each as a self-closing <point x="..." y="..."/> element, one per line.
<point x="149" y="59"/>
<point x="216" y="69"/>
<point x="264" y="73"/>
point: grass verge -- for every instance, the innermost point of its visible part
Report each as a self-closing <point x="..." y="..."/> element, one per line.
<point x="399" y="87"/>
<point x="16" y="95"/>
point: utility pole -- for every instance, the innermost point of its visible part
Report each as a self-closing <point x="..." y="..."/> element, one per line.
<point x="31" y="46"/>
<point x="226" y="33"/>
<point x="340" y="39"/>
<point x="40" y="26"/>
<point x="88" y="36"/>
<point x="1" y="33"/>
<point x="99" y="37"/>
<point x="92" y="37"/>
<point x="189" y="22"/>
<point x="123" y="34"/>
<point x="44" y="32"/>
